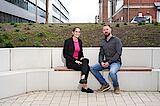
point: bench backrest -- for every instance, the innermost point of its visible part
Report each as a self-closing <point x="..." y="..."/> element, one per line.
<point x="139" y="57"/>
<point x="36" y="58"/>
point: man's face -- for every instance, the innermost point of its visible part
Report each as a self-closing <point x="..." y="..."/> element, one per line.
<point x="106" y="31"/>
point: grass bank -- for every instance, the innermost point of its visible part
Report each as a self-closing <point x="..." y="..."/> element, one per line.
<point x="53" y="35"/>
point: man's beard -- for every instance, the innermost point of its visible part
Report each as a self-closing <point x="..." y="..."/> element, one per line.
<point x="106" y="35"/>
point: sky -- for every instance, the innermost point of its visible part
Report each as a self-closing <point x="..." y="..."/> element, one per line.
<point x="82" y="11"/>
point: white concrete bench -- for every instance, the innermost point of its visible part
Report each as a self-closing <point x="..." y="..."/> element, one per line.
<point x="130" y="78"/>
<point x="12" y="83"/>
<point x="22" y="81"/>
<point x="30" y="69"/>
<point x="23" y="70"/>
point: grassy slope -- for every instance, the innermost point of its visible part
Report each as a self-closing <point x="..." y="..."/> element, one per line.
<point x="53" y="35"/>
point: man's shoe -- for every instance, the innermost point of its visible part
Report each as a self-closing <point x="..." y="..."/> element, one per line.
<point x="83" y="81"/>
<point x="88" y="90"/>
<point x="104" y="88"/>
<point x="116" y="90"/>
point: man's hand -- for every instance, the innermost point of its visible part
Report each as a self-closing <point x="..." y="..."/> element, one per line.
<point x="78" y="62"/>
<point x="105" y="65"/>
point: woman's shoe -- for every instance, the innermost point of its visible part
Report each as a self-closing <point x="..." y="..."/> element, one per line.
<point x="83" y="81"/>
<point x="88" y="90"/>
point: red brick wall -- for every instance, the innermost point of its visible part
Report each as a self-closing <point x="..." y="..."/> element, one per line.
<point x="134" y="11"/>
<point x="104" y="11"/>
<point x="140" y="1"/>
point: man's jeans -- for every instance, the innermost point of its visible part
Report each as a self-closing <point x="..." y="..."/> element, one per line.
<point x="113" y="69"/>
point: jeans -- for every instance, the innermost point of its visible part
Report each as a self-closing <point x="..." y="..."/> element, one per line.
<point x="113" y="69"/>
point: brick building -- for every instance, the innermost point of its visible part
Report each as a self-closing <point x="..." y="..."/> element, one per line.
<point x="125" y="10"/>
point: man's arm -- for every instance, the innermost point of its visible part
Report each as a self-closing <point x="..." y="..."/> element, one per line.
<point x="101" y="54"/>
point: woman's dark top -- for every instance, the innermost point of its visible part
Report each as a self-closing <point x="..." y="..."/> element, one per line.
<point x="69" y="48"/>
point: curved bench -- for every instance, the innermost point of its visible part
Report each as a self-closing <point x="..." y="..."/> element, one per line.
<point x="30" y="69"/>
<point x="130" y="78"/>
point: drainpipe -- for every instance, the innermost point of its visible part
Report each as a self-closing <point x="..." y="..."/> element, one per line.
<point x="47" y="11"/>
<point x="128" y="11"/>
<point x="100" y="11"/>
<point x="36" y="11"/>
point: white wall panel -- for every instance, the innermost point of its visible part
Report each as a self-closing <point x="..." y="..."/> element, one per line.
<point x="30" y="58"/>
<point x="4" y="60"/>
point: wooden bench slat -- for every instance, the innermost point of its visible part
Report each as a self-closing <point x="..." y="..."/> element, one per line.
<point x="63" y="68"/>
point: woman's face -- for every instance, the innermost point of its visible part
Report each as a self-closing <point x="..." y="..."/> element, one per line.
<point x="76" y="33"/>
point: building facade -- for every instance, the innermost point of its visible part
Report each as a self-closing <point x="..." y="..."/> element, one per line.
<point x="125" y="10"/>
<point x="33" y="11"/>
<point x="58" y="12"/>
<point x="103" y="10"/>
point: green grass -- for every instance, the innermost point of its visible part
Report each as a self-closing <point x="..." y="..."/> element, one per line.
<point x="53" y="35"/>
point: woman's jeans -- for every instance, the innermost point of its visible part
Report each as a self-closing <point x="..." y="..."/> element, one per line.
<point x="113" y="69"/>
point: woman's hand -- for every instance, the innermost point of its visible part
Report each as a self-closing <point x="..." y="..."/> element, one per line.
<point x="78" y="62"/>
<point x="81" y="58"/>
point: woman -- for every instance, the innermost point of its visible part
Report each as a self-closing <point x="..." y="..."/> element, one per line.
<point x="73" y="53"/>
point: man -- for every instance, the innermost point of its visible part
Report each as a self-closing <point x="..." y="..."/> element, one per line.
<point x="109" y="58"/>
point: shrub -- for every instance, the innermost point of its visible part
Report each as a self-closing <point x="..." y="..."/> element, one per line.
<point x="16" y="30"/>
<point x="141" y="23"/>
<point x="8" y="44"/>
<point x="12" y="23"/>
<point x="41" y="34"/>
<point x="30" y="24"/>
<point x="125" y="23"/>
<point x="15" y="25"/>
<point x="156" y="23"/>
<point x="1" y="39"/>
<point x="2" y="29"/>
<point x="27" y="28"/>
<point x="37" y="44"/>
<point x="117" y="25"/>
<point x="50" y="26"/>
<point x="102" y="23"/>
<point x="22" y="38"/>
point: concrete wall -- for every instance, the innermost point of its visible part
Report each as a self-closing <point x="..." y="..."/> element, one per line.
<point x="4" y="60"/>
<point x="30" y="69"/>
<point x="139" y="57"/>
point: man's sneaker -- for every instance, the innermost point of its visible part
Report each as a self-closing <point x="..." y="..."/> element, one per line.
<point x="104" y="88"/>
<point x="116" y="90"/>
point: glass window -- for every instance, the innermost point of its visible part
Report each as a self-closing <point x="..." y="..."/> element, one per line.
<point x="41" y="12"/>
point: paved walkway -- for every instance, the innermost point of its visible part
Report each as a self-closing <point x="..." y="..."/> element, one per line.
<point x="77" y="98"/>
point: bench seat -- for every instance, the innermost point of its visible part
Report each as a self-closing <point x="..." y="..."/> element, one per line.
<point x="130" y="79"/>
<point x="63" y="68"/>
<point x="12" y="83"/>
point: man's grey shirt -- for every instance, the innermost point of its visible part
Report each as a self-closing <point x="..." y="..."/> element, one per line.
<point x="110" y="51"/>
